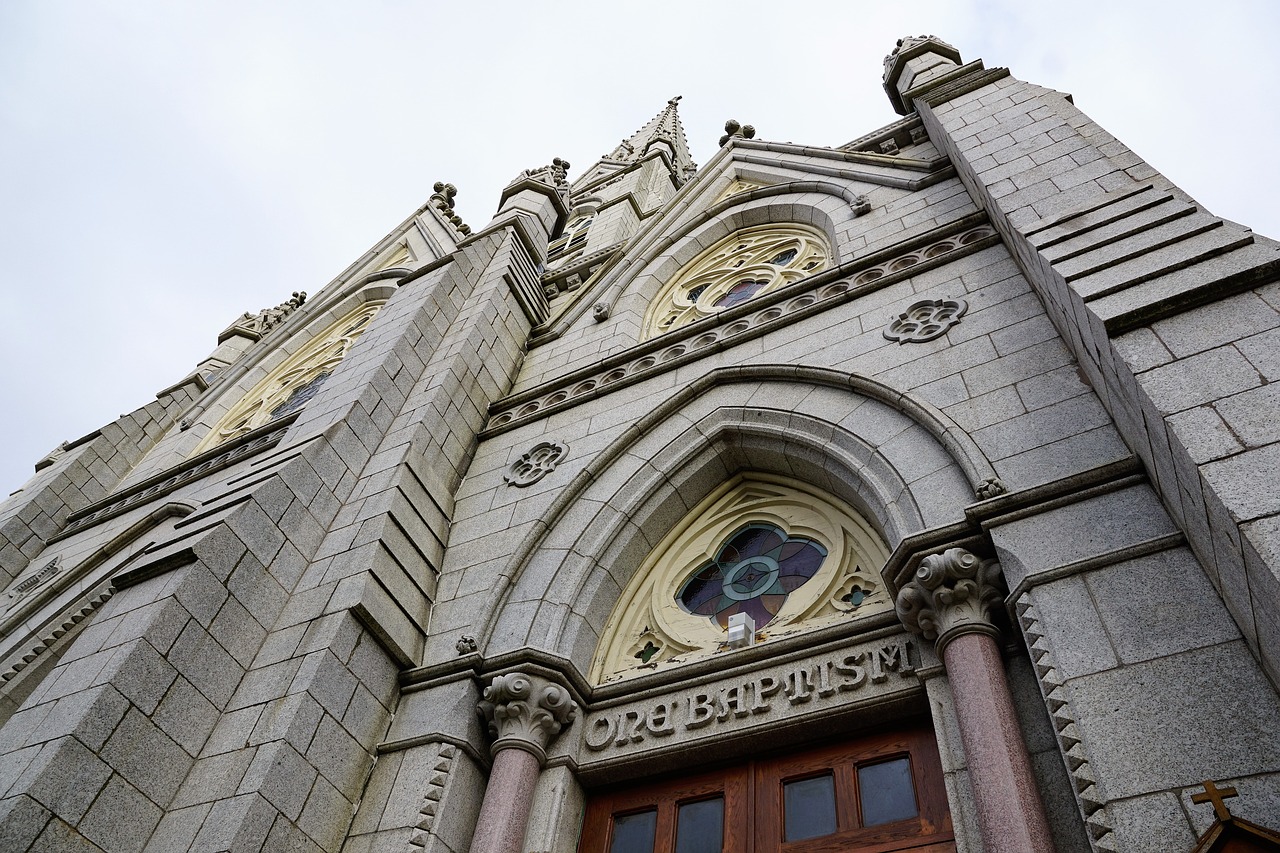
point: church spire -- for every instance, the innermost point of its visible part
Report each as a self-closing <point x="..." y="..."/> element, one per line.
<point x="662" y="132"/>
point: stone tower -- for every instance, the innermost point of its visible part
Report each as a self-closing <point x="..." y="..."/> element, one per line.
<point x="913" y="493"/>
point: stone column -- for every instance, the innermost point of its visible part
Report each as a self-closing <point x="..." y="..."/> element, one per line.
<point x="950" y="601"/>
<point x="525" y="713"/>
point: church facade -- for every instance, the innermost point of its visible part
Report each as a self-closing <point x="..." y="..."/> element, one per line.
<point x="917" y="493"/>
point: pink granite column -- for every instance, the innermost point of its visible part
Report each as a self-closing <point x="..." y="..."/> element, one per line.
<point x="950" y="600"/>
<point x="525" y="712"/>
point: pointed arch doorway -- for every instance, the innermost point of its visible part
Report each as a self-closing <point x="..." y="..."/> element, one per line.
<point x="875" y="794"/>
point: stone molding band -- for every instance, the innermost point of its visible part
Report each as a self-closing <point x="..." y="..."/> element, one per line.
<point x="734" y="325"/>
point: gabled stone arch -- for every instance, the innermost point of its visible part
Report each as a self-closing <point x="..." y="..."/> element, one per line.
<point x="664" y="257"/>
<point x="670" y="242"/>
<point x="901" y="463"/>
<point x="240" y="379"/>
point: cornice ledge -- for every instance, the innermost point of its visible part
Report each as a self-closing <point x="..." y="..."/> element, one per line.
<point x="503" y="414"/>
<point x="955" y="83"/>
<point x="865" y="157"/>
<point x="981" y="516"/>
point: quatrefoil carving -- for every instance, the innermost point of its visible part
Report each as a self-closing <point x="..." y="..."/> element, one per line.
<point x="926" y="320"/>
<point x="537" y="463"/>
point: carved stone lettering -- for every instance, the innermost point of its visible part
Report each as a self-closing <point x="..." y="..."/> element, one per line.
<point x="732" y="703"/>
<point x="854" y="675"/>
<point x="629" y="727"/>
<point x="701" y="711"/>
<point x="601" y="725"/>
<point x="659" y="720"/>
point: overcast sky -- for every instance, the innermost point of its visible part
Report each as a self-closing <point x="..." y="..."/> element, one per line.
<point x="165" y="166"/>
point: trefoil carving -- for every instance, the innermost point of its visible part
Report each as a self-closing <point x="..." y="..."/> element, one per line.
<point x="734" y="130"/>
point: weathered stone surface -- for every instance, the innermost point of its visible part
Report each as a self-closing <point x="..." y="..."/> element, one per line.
<point x="237" y="648"/>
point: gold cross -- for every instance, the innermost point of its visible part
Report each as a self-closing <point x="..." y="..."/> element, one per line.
<point x="1214" y="794"/>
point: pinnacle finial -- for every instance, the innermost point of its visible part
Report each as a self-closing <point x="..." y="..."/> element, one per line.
<point x="732" y="128"/>
<point x="672" y="102"/>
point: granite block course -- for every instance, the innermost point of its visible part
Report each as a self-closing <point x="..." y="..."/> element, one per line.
<point x="1166" y="752"/>
<point x="121" y="819"/>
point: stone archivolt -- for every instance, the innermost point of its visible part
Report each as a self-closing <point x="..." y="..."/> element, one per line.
<point x="284" y="390"/>
<point x="742" y="266"/>
<point x="649" y="629"/>
<point x="734" y="329"/>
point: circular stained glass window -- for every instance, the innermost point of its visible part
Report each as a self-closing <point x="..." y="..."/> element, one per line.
<point x="753" y="572"/>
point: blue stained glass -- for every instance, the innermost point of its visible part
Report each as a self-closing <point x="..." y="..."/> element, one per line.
<point x="299" y="398"/>
<point x="739" y="293"/>
<point x="753" y="572"/>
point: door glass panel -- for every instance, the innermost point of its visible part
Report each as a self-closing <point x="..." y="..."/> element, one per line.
<point x="886" y="791"/>
<point x="700" y="827"/>
<point x="809" y="808"/>
<point x="633" y="833"/>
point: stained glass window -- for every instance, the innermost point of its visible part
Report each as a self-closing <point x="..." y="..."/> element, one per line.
<point x="753" y="572"/>
<point x="739" y="293"/>
<point x="740" y="267"/>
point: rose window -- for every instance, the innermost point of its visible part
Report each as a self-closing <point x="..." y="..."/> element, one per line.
<point x="792" y="557"/>
<point x="752" y="573"/>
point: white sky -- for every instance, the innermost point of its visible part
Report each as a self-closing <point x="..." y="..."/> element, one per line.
<point x="165" y="166"/>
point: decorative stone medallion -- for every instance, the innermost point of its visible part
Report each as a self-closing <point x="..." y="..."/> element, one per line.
<point x="537" y="463"/>
<point x="926" y="320"/>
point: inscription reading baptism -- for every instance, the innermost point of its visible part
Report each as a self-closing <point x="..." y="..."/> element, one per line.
<point x="812" y="681"/>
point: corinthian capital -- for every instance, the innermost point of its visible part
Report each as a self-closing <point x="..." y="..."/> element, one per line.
<point x="526" y="712"/>
<point x="952" y="593"/>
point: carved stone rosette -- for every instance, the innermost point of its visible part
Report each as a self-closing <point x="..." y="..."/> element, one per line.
<point x="953" y="593"/>
<point x="526" y="712"/>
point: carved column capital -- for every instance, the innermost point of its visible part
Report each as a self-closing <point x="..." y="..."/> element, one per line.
<point x="952" y="593"/>
<point x="526" y="712"/>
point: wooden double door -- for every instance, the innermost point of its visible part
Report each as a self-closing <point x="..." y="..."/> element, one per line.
<point x="873" y="795"/>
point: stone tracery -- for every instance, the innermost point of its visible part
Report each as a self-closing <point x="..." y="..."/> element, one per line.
<point x="652" y="626"/>
<point x="288" y="388"/>
<point x="740" y="267"/>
